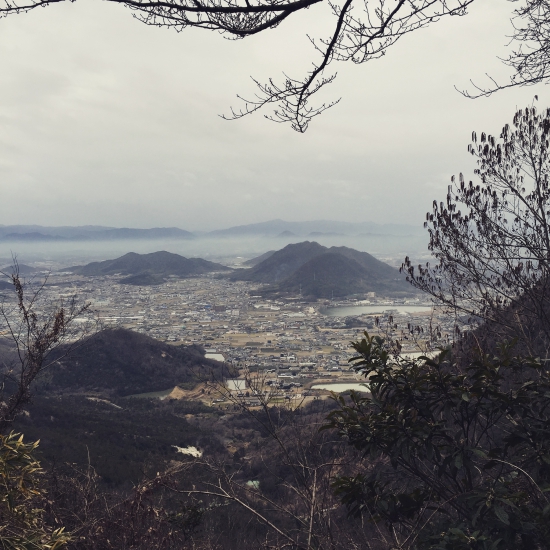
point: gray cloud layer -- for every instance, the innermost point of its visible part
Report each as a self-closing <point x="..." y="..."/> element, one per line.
<point x="106" y="121"/>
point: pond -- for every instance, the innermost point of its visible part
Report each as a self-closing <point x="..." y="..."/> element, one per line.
<point x="352" y="311"/>
<point x="342" y="387"/>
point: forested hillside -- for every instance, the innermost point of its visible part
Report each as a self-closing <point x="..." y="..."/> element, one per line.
<point x="119" y="362"/>
<point x="320" y="272"/>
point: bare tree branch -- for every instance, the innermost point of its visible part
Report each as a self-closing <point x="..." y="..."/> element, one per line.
<point x="362" y="31"/>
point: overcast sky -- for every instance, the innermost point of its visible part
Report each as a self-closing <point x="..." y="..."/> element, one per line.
<point x="104" y="120"/>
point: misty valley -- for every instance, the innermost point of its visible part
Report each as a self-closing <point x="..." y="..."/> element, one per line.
<point x="368" y="369"/>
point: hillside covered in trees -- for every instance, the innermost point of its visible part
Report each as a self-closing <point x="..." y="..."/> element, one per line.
<point x="120" y="362"/>
<point x="321" y="272"/>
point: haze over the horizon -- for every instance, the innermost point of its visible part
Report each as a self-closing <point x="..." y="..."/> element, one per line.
<point x="71" y="245"/>
<point x="107" y="121"/>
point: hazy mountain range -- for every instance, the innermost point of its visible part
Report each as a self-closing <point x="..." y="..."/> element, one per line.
<point x="317" y="228"/>
<point x="273" y="229"/>
<point x="25" y="233"/>
<point x="22" y="269"/>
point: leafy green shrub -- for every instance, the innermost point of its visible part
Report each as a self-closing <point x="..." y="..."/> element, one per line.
<point x="457" y="457"/>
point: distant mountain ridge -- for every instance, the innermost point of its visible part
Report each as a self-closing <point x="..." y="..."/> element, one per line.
<point x="154" y="233"/>
<point x="255" y="261"/>
<point x="87" y="233"/>
<point x="320" y="272"/>
<point x="272" y="228"/>
<point x="22" y="269"/>
<point x="32" y="236"/>
<point x="275" y="228"/>
<point x="148" y="269"/>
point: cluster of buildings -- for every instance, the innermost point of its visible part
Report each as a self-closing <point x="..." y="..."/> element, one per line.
<point x="290" y="341"/>
<point x="233" y="319"/>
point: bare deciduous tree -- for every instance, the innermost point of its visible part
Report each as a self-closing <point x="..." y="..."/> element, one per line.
<point x="491" y="240"/>
<point x="530" y="40"/>
<point x="292" y="499"/>
<point x="35" y="327"/>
